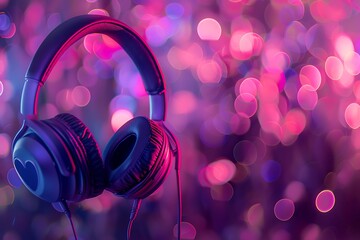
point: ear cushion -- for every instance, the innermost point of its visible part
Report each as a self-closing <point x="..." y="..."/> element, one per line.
<point x="132" y="154"/>
<point x="92" y="159"/>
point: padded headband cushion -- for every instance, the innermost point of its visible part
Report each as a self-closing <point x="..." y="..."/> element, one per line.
<point x="93" y="159"/>
<point x="131" y="154"/>
<point x="72" y="30"/>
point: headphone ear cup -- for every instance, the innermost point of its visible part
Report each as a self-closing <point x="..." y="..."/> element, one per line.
<point x="91" y="164"/>
<point x="34" y="150"/>
<point x="137" y="158"/>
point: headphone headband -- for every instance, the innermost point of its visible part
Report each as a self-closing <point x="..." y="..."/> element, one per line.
<point x="66" y="34"/>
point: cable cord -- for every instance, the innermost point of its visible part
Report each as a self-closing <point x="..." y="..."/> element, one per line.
<point x="67" y="212"/>
<point x="176" y="151"/>
<point x="178" y="183"/>
<point x="134" y="211"/>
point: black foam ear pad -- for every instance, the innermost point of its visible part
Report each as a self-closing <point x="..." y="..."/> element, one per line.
<point x="95" y="169"/>
<point x="132" y="153"/>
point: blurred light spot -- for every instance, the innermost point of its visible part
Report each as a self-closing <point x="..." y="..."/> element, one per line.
<point x="325" y="201"/>
<point x="295" y="121"/>
<point x="4" y="3"/>
<point x="246" y="105"/>
<point x="271" y="171"/>
<point x="6" y="196"/>
<point x="356" y="90"/>
<point x="104" y="46"/>
<point x="244" y="45"/>
<point x="235" y="46"/>
<point x="203" y="181"/>
<point x="334" y="68"/>
<point x="81" y="96"/>
<point x="287" y="138"/>
<point x="269" y="112"/>
<point x="64" y="99"/>
<point x="220" y="171"/>
<point x="329" y="11"/>
<point x="5" y="145"/>
<point x="276" y="61"/>
<point x="181" y="59"/>
<point x="250" y="43"/>
<point x="222" y="193"/>
<point x="209" y="29"/>
<point x="314" y="41"/>
<point x="284" y="209"/>
<point x="245" y="152"/>
<point x="141" y="12"/>
<point x="255" y="215"/>
<point x="352" y="115"/>
<point x="174" y="10"/>
<point x="136" y="85"/>
<point x="183" y="102"/>
<point x="13" y="178"/>
<point x="295" y="191"/>
<point x="93" y="204"/>
<point x="307" y="97"/>
<point x="3" y="62"/>
<point x="123" y="102"/>
<point x="119" y="118"/>
<point x="310" y="75"/>
<point x="188" y="231"/>
<point x="1" y="88"/>
<point x="7" y="28"/>
<point x="355" y="140"/>
<point x="271" y="132"/>
<point x="311" y="232"/>
<point x="250" y="86"/>
<point x="344" y="46"/>
<point x="209" y="71"/>
<point x="345" y="82"/>
<point x="33" y="15"/>
<point x="89" y="41"/>
<point x="8" y="90"/>
<point x="352" y="63"/>
<point x="239" y="124"/>
<point x="99" y="11"/>
<point x="5" y="22"/>
<point x="269" y="93"/>
<point x="91" y="1"/>
<point x="156" y="34"/>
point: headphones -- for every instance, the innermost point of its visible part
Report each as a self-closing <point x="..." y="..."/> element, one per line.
<point x="59" y="160"/>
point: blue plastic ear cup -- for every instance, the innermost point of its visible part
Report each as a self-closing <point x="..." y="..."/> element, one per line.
<point x="61" y="139"/>
<point x="137" y="158"/>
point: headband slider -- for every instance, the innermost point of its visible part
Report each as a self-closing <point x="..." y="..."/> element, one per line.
<point x="29" y="92"/>
<point x="157" y="106"/>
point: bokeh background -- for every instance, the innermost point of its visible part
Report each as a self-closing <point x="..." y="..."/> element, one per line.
<point x="263" y="96"/>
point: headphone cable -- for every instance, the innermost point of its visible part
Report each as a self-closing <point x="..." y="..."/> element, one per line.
<point x="176" y="151"/>
<point x="178" y="183"/>
<point x="64" y="206"/>
<point x="134" y="211"/>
